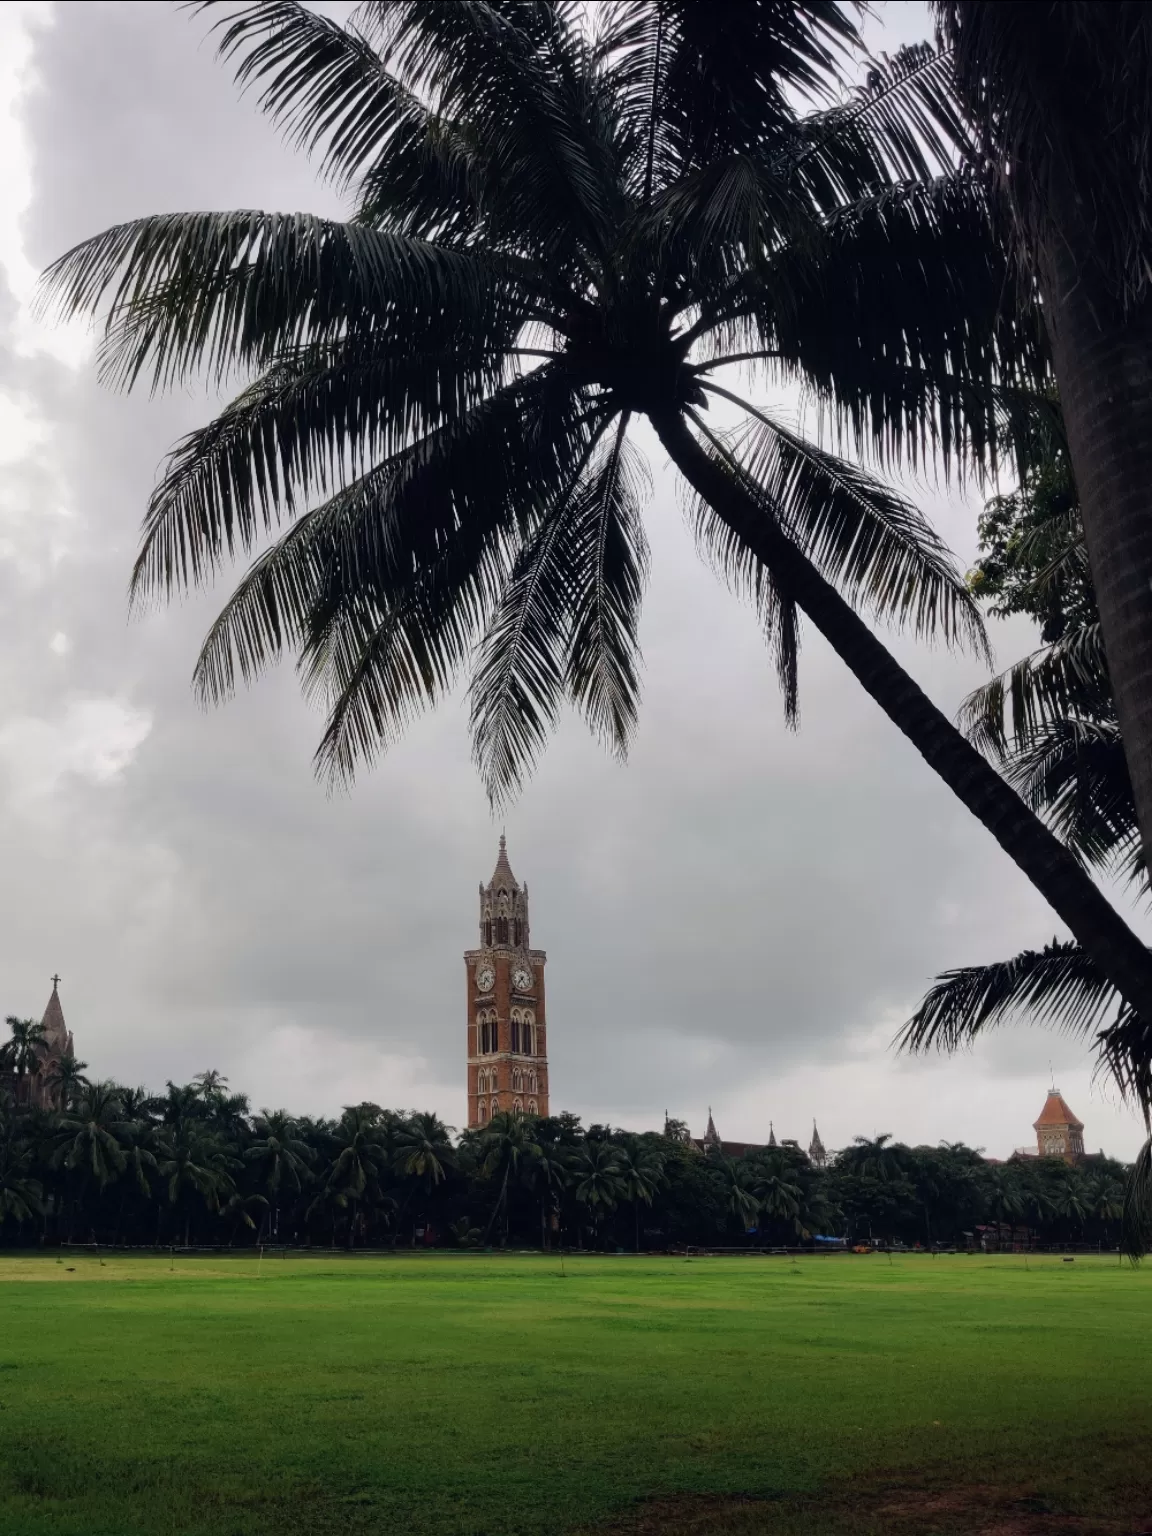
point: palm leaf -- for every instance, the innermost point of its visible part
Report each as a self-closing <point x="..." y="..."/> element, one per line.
<point x="1067" y="678"/>
<point x="1059" y="985"/>
<point x="225" y="291"/>
<point x="321" y="81"/>
<point x="865" y="538"/>
<point x="316" y="420"/>
<point x="565" y="626"/>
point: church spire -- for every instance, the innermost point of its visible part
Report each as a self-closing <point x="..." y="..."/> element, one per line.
<point x="711" y="1136"/>
<point x="771" y="1134"/>
<point x="57" y="1040"/>
<point x="817" y="1156"/>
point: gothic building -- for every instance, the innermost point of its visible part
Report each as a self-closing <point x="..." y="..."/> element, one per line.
<point x="507" y="1030"/>
<point x="39" y="1087"/>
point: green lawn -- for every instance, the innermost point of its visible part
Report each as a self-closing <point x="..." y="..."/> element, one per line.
<point x="438" y="1394"/>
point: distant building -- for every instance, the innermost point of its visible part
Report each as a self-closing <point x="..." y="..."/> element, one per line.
<point x="39" y="1087"/>
<point x="1058" y="1132"/>
<point x="711" y="1141"/>
<point x="507" y="1031"/>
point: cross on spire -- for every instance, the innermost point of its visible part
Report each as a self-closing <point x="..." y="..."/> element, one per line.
<point x="55" y="982"/>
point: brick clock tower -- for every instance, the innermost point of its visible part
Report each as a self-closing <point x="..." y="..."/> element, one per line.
<point x="507" y="1032"/>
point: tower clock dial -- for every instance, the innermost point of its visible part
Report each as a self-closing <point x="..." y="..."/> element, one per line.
<point x="485" y="978"/>
<point x="522" y="978"/>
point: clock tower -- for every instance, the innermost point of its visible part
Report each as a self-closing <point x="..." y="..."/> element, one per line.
<point x="507" y="1030"/>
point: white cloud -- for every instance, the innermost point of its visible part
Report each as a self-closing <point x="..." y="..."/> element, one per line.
<point x="92" y="739"/>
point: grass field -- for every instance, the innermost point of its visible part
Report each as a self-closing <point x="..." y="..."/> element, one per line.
<point x="438" y="1395"/>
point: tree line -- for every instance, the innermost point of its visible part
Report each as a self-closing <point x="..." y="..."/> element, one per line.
<point x="196" y="1166"/>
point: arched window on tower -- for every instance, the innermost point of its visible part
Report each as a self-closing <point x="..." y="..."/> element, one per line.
<point x="532" y="1107"/>
<point x="515" y="1033"/>
<point x="482" y="1112"/>
<point x="495" y="1106"/>
<point x="488" y="932"/>
<point x="517" y="931"/>
<point x="526" y="1039"/>
<point x="501" y="930"/>
<point x="517" y="1106"/>
<point x="517" y="1080"/>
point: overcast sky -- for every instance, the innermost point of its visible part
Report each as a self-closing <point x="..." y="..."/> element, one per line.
<point x="740" y="917"/>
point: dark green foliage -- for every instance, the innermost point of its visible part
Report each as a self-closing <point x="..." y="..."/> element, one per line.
<point x="195" y="1166"/>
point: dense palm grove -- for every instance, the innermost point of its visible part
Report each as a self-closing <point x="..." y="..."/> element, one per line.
<point x="194" y="1165"/>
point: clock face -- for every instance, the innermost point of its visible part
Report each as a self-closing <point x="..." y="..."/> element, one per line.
<point x="521" y="978"/>
<point x="485" y="977"/>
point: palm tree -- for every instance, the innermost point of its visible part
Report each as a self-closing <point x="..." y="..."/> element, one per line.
<point x="194" y="1163"/>
<point x="90" y="1135"/>
<point x="21" y="1195"/>
<point x="739" y="1198"/>
<point x="1005" y="1199"/>
<point x="66" y="1080"/>
<point x="210" y="1085"/>
<point x="598" y="1180"/>
<point x="360" y="1161"/>
<point x="642" y="1177"/>
<point x="280" y="1157"/>
<point x="872" y="1157"/>
<point x="507" y="1149"/>
<point x="1059" y="100"/>
<point x="550" y="1173"/>
<point x="554" y="236"/>
<point x="422" y="1154"/>
<point x="22" y="1053"/>
<point x="780" y="1198"/>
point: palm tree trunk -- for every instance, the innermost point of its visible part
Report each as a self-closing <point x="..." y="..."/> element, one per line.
<point x="1052" y="869"/>
<point x="1103" y="364"/>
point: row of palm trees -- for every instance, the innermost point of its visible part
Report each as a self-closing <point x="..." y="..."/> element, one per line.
<point x="194" y="1165"/>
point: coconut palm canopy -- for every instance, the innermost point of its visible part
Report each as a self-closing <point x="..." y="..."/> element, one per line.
<point x="554" y="232"/>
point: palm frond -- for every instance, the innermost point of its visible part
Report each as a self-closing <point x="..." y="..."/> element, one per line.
<point x="225" y="291"/>
<point x="699" y="84"/>
<point x="524" y="79"/>
<point x="357" y="560"/>
<point x="864" y="537"/>
<point x="1073" y="772"/>
<point x="748" y="577"/>
<point x="1066" y="679"/>
<point x="565" y="626"/>
<point x="1060" y="986"/>
<point x="315" y="421"/>
<point x="901" y="318"/>
<point x="323" y="82"/>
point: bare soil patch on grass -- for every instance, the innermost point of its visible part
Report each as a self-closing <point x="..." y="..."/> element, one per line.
<point x="876" y="1508"/>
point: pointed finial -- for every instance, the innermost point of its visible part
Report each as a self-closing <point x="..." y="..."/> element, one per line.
<point x="55" y="982"/>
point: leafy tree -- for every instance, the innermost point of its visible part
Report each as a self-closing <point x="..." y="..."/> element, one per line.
<point x="735" y="1178"/>
<point x="554" y="235"/>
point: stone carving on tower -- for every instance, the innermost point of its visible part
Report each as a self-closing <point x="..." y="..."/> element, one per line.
<point x="507" y="1028"/>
